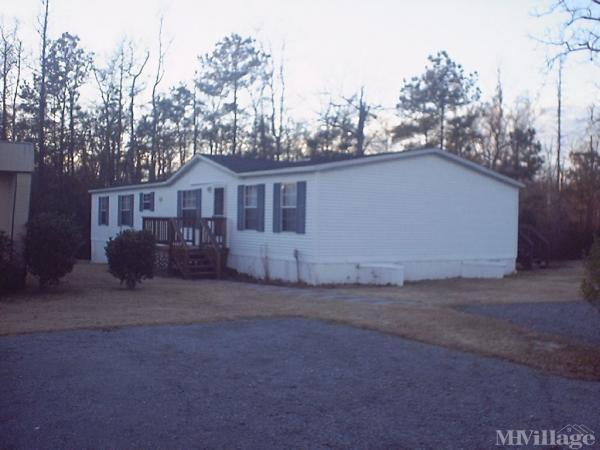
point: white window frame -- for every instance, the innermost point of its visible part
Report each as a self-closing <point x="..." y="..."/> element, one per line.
<point x="186" y="196"/>
<point x="222" y="188"/>
<point x="250" y="202"/>
<point x="103" y="206"/>
<point x="147" y="201"/>
<point x="251" y="189"/>
<point x="288" y="206"/>
<point x="124" y="200"/>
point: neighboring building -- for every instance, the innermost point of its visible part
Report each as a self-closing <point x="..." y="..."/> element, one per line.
<point x="16" y="167"/>
<point x="381" y="218"/>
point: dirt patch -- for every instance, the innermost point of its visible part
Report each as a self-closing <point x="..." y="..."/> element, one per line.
<point x="91" y="298"/>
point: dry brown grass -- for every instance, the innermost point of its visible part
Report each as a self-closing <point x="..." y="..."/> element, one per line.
<point x="557" y="284"/>
<point x="91" y="298"/>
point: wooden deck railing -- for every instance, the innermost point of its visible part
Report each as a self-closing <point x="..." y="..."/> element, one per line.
<point x="183" y="234"/>
<point x="208" y="231"/>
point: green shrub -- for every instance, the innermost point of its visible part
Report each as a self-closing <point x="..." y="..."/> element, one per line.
<point x="12" y="268"/>
<point x="51" y="243"/>
<point x="590" y="285"/>
<point x="131" y="256"/>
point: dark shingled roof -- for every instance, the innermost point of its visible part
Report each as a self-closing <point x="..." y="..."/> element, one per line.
<point x="248" y="165"/>
<point x="242" y="164"/>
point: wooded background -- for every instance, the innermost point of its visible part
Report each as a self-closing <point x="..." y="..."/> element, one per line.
<point x="135" y="130"/>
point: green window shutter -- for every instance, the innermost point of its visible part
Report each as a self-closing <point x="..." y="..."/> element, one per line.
<point x="261" y="207"/>
<point x="152" y="201"/>
<point x="276" y="207"/>
<point x="240" y="207"/>
<point x="301" y="207"/>
<point x="198" y="205"/>
<point x="119" y="210"/>
<point x="99" y="210"/>
<point x="141" y="201"/>
<point x="179" y="203"/>
<point x="131" y="197"/>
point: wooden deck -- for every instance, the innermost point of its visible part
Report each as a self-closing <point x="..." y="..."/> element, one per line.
<point x="196" y="248"/>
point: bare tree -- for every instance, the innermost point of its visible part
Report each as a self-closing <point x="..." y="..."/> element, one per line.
<point x="497" y="125"/>
<point x="558" y="125"/>
<point x="160" y="72"/>
<point x="579" y="31"/>
<point x="349" y="120"/>
<point x="195" y="113"/>
<point x="18" y="62"/>
<point x="277" y="116"/>
<point x="122" y="71"/>
<point x="133" y="159"/>
<point x="363" y="113"/>
<point x="42" y="99"/>
<point x="107" y="168"/>
<point x="6" y="56"/>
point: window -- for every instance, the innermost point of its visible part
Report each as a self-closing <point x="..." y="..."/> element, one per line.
<point x="147" y="201"/>
<point x="219" y="206"/>
<point x="126" y="210"/>
<point x="289" y="199"/>
<point x="103" y="211"/>
<point x="188" y="204"/>
<point x="289" y="207"/>
<point x="251" y="207"/>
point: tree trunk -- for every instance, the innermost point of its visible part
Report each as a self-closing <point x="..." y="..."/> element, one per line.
<point x="42" y="101"/>
<point x="5" y="54"/>
<point x="72" y="133"/>
<point x="558" y="125"/>
<point x="195" y="121"/>
<point x="16" y="93"/>
<point x="135" y="169"/>
<point x="235" y="112"/>
<point x="119" y="143"/>
<point x="442" y="119"/>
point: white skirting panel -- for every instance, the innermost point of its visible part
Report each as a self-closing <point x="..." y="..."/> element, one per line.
<point x="385" y="273"/>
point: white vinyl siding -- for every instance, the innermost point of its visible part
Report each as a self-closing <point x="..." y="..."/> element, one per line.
<point x="427" y="213"/>
<point x="424" y="209"/>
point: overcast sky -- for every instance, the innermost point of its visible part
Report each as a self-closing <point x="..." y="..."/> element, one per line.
<point x="337" y="45"/>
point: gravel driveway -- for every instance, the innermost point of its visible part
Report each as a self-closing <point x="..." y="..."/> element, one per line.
<point x="578" y="320"/>
<point x="275" y="383"/>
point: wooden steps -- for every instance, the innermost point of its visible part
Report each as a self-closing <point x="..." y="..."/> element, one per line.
<point x="199" y="265"/>
<point x="196" y="263"/>
<point x="533" y="248"/>
<point x="197" y="246"/>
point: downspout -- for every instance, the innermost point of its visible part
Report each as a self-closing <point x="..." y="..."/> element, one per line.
<point x="297" y="258"/>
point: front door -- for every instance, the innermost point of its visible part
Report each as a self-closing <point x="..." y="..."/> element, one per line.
<point x="219" y="213"/>
<point x="189" y="209"/>
<point x="219" y="203"/>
